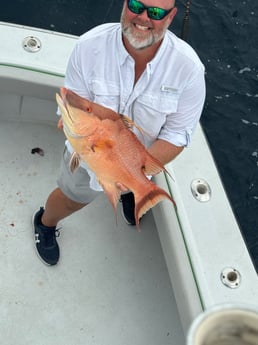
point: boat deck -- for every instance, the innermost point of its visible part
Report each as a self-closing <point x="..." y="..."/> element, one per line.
<point x="111" y="285"/>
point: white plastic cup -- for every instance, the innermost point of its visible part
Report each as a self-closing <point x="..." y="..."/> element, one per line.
<point x="225" y="325"/>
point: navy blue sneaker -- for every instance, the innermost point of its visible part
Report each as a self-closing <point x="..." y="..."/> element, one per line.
<point x="45" y="240"/>
<point x="128" y="208"/>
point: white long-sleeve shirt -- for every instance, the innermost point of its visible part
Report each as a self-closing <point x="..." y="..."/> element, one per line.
<point x="166" y="101"/>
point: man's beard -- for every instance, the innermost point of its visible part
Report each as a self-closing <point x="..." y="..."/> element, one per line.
<point x="138" y="42"/>
<point x="135" y="39"/>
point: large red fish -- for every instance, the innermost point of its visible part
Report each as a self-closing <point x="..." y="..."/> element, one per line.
<point x="103" y="139"/>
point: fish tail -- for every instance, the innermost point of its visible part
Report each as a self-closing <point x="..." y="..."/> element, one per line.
<point x="145" y="202"/>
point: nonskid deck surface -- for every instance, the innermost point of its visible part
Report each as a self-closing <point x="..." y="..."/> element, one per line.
<point x="111" y="285"/>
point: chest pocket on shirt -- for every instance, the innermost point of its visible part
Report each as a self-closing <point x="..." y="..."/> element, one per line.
<point x="166" y="103"/>
<point x="150" y="111"/>
<point x="105" y="93"/>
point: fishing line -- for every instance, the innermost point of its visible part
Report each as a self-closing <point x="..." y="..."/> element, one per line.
<point x="185" y="24"/>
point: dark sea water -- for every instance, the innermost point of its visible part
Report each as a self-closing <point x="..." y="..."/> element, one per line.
<point x="225" y="35"/>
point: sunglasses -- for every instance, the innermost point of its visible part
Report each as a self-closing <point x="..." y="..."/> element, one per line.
<point x="155" y="13"/>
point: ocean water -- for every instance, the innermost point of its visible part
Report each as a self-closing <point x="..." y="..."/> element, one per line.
<point x="225" y="35"/>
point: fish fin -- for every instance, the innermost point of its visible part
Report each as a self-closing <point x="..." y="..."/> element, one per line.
<point x="101" y="144"/>
<point x="131" y="124"/>
<point x="113" y="194"/>
<point x="74" y="162"/>
<point x="153" y="166"/>
<point x="127" y="121"/>
<point x="145" y="202"/>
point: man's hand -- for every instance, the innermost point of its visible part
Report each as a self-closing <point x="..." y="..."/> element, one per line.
<point x="164" y="151"/>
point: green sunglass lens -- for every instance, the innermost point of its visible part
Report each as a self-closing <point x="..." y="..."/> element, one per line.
<point x="156" y="13"/>
<point x="136" y="7"/>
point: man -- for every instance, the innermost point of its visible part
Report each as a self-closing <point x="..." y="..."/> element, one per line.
<point x="140" y="69"/>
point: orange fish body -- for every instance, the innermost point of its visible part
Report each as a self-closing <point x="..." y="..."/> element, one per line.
<point x="101" y="138"/>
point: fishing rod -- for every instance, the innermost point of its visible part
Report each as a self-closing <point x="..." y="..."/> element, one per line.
<point x="185" y="25"/>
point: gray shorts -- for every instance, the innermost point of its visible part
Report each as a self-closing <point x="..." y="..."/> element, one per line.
<point x="75" y="185"/>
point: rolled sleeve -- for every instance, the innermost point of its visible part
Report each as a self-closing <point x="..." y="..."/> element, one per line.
<point x="180" y="125"/>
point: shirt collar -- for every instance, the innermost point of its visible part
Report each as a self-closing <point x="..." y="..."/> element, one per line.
<point x="123" y="53"/>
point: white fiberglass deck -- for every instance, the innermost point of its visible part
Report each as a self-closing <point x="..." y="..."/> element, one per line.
<point x="111" y="285"/>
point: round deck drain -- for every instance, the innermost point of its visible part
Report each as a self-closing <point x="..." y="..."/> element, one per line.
<point x="201" y="190"/>
<point x="31" y="44"/>
<point x="231" y="277"/>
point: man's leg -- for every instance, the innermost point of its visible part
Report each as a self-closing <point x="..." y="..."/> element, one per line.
<point x="72" y="194"/>
<point x="58" y="206"/>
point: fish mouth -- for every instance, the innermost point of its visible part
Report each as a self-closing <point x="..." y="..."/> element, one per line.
<point x="71" y="134"/>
